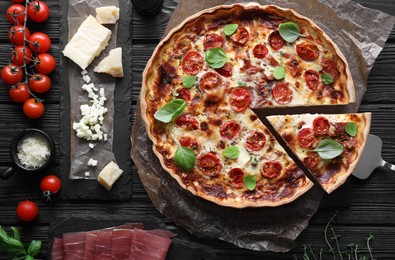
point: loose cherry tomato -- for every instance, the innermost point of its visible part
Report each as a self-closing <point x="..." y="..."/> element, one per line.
<point x="45" y="63"/>
<point x="40" y="83"/>
<point x="33" y="108"/>
<point x="27" y="211"/>
<point x="18" y="55"/>
<point x="16" y="14"/>
<point x="19" y="93"/>
<point x="38" y="11"/>
<point x="15" y="34"/>
<point x="11" y="74"/>
<point x="39" y="42"/>
<point x="17" y="1"/>
<point x="50" y="185"/>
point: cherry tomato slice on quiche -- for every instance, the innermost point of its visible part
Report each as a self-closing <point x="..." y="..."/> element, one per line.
<point x="209" y="164"/>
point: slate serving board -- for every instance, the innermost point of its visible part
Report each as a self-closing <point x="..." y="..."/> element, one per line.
<point x="91" y="189"/>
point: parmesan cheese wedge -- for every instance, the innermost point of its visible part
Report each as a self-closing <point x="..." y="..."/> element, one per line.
<point x="88" y="42"/>
<point x="107" y="14"/>
<point x="112" y="64"/>
<point x="109" y="175"/>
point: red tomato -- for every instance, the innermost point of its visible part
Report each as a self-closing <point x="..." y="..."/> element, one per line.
<point x="226" y="70"/>
<point x="306" y="137"/>
<point x="38" y="11"/>
<point x="276" y="41"/>
<point x="18" y="55"/>
<point x="17" y="1"/>
<point x="282" y="94"/>
<point x="209" y="164"/>
<point x="255" y="140"/>
<point x="307" y="51"/>
<point x="212" y="40"/>
<point x="33" y="108"/>
<point x="11" y="74"/>
<point x="187" y="122"/>
<point x="240" y="36"/>
<point x="321" y="125"/>
<point x="19" y="93"/>
<point x="240" y="99"/>
<point x="236" y="176"/>
<point x="192" y="63"/>
<point x="16" y="14"/>
<point x="230" y="130"/>
<point x="16" y="36"/>
<point x="260" y="51"/>
<point x="27" y="211"/>
<point x="40" y="83"/>
<point x="190" y="142"/>
<point x="45" y="63"/>
<point x="39" y="42"/>
<point x="50" y="185"/>
<point x="312" y="79"/>
<point x="183" y="93"/>
<point x="210" y="81"/>
<point x="271" y="169"/>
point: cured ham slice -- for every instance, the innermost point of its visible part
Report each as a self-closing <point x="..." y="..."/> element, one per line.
<point x="103" y="244"/>
<point x="120" y="244"/>
<point x="90" y="242"/>
<point x="73" y="246"/>
<point x="152" y="244"/>
<point x="57" y="249"/>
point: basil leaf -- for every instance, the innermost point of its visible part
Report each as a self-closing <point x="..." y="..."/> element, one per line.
<point x="327" y="78"/>
<point x="250" y="182"/>
<point x="230" y="29"/>
<point x="170" y="110"/>
<point x="289" y="31"/>
<point x="328" y="149"/>
<point x="232" y="152"/>
<point x="241" y="83"/>
<point x="216" y="57"/>
<point x="34" y="248"/>
<point x="3" y="234"/>
<point x="17" y="235"/>
<point x="13" y="247"/>
<point x="351" y="128"/>
<point x="279" y="72"/>
<point x="188" y="81"/>
<point x="28" y="257"/>
<point x="185" y="158"/>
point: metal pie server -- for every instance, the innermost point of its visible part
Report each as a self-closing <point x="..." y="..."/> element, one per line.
<point x="371" y="158"/>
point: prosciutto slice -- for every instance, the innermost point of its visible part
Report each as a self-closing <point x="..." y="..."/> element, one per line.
<point x="90" y="243"/>
<point x="152" y="244"/>
<point x="73" y="246"/>
<point x="120" y="244"/>
<point x="103" y="244"/>
<point x="57" y="249"/>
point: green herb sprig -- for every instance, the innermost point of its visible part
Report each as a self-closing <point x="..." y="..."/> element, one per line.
<point x="13" y="246"/>
<point x="170" y="110"/>
<point x="230" y="29"/>
<point x="328" y="149"/>
<point x="289" y="31"/>
<point x="216" y="57"/>
<point x="231" y="152"/>
<point x="185" y="158"/>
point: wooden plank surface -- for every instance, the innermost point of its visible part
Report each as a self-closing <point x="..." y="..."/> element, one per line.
<point x="372" y="206"/>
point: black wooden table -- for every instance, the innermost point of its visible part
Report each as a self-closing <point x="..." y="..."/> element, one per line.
<point x="372" y="202"/>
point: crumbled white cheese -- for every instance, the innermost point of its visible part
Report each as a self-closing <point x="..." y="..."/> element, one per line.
<point x="86" y="78"/>
<point x="90" y="125"/>
<point x="33" y="150"/>
<point x="107" y="14"/>
<point x="87" y="174"/>
<point x="105" y="137"/>
<point x="92" y="162"/>
<point x="84" y="72"/>
<point x="91" y="145"/>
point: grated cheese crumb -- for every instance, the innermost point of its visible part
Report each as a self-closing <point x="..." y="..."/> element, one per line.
<point x="87" y="174"/>
<point x="33" y="150"/>
<point x="92" y="162"/>
<point x="91" y="145"/>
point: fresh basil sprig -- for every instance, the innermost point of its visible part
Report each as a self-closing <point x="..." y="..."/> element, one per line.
<point x="188" y="81"/>
<point x="170" y="110"/>
<point x="279" y="72"/>
<point x="216" y="57"/>
<point x="230" y="29"/>
<point x="328" y="149"/>
<point x="289" y="31"/>
<point x="250" y="182"/>
<point x="327" y="78"/>
<point x="185" y="158"/>
<point x="351" y="129"/>
<point x="13" y="246"/>
<point x="231" y="152"/>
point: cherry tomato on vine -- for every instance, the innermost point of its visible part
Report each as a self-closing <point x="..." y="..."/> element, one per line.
<point x="18" y="55"/>
<point x="38" y="11"/>
<point x="45" y="63"/>
<point x="17" y="1"/>
<point x="11" y="74"/>
<point x="15" y="34"/>
<point x="33" y="108"/>
<point x="27" y="211"/>
<point x="16" y="14"/>
<point x="40" y="83"/>
<point x="50" y="185"/>
<point x="39" y="42"/>
<point x="19" y="93"/>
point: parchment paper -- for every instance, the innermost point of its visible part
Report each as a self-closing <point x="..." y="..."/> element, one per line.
<point x="80" y="153"/>
<point x="360" y="34"/>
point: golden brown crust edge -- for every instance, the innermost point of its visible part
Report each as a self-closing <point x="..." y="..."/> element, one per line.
<point x="344" y="176"/>
<point x="149" y="70"/>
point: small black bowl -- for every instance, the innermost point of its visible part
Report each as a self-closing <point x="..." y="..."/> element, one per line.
<point x="14" y="153"/>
